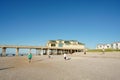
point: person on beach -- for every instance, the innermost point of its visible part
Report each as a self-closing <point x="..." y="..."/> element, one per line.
<point x="49" y="56"/>
<point x="29" y="57"/>
<point x="65" y="56"/>
<point x="84" y="51"/>
<point x="103" y="50"/>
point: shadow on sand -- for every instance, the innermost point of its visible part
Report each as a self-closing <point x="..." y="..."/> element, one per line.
<point x="38" y="60"/>
<point x="6" y="68"/>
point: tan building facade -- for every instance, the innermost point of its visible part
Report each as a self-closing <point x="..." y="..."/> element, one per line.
<point x="65" y="44"/>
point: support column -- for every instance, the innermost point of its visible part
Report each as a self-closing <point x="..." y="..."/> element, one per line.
<point x="61" y="52"/>
<point x="56" y="52"/>
<point x="71" y="51"/>
<point x="30" y="51"/>
<point x="38" y="51"/>
<point x="3" y="51"/>
<point x="45" y="51"/>
<point x="52" y="52"/>
<point x="17" y="51"/>
<point x="48" y="52"/>
<point x="77" y="50"/>
<point x="67" y="51"/>
<point x="41" y="51"/>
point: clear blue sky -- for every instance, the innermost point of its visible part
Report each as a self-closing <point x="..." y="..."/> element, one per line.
<point x="34" y="22"/>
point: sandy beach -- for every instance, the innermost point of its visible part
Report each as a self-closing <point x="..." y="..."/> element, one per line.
<point x="92" y="66"/>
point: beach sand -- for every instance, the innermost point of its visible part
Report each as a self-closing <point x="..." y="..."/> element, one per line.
<point x="92" y="66"/>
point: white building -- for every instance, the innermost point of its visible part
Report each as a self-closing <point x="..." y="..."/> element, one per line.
<point x="115" y="45"/>
<point x="105" y="46"/>
<point x="100" y="46"/>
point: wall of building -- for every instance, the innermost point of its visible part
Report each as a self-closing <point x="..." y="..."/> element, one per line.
<point x="115" y="45"/>
<point x="74" y="46"/>
<point x="62" y="44"/>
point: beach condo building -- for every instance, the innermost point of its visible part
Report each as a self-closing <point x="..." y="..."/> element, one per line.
<point x="107" y="46"/>
<point x="66" y="44"/>
<point x="115" y="45"/>
<point x="100" y="46"/>
<point x="104" y="46"/>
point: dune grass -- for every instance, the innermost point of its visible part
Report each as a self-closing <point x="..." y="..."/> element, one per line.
<point x="106" y="50"/>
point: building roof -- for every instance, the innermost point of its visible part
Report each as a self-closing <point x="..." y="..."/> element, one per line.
<point x="52" y="41"/>
<point x="66" y="41"/>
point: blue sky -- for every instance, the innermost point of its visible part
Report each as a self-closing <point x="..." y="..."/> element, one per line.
<point x="34" y="22"/>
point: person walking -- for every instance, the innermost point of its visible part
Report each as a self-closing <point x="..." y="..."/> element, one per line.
<point x="29" y="57"/>
<point x="103" y="50"/>
<point x="84" y="51"/>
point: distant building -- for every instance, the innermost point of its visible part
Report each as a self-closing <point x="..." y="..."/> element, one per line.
<point x="115" y="45"/>
<point x="65" y="44"/>
<point x="105" y="46"/>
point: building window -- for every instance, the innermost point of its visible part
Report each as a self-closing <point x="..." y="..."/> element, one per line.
<point x="53" y="45"/>
<point x="60" y="45"/>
